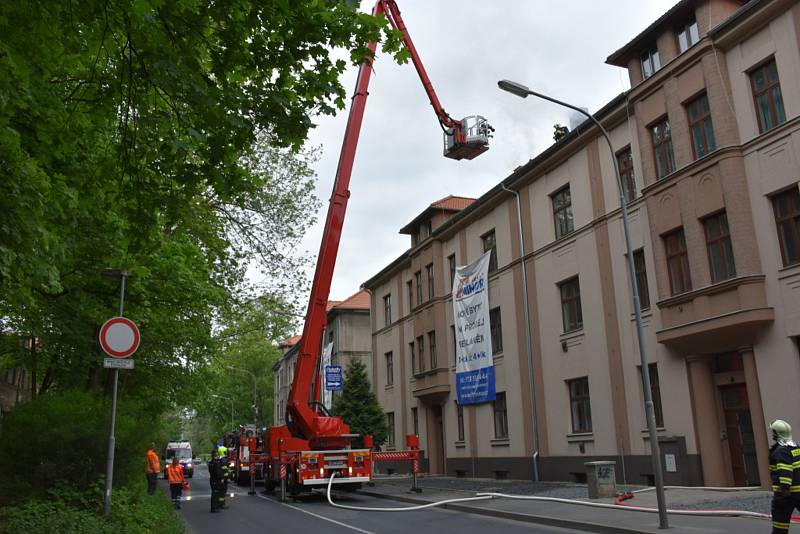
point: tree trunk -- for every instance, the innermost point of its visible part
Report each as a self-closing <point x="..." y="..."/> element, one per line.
<point x="47" y="381"/>
<point x="32" y="340"/>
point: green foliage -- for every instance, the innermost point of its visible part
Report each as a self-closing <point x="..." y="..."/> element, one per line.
<point x="68" y="511"/>
<point x="359" y="407"/>
<point x="62" y="438"/>
<point x="247" y="347"/>
<point x="153" y="137"/>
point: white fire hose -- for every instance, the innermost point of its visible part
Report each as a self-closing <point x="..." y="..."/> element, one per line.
<point x="491" y="495"/>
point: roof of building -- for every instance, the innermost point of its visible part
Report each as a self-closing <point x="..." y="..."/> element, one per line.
<point x="357" y="301"/>
<point x="288" y="342"/>
<point x="620" y="57"/>
<point x="448" y="203"/>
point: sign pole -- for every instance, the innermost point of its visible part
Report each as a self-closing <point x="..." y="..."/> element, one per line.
<point x="111" y="439"/>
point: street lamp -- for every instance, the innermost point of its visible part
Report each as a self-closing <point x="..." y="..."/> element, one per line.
<point x="523" y="91"/>
<point x="255" y="424"/>
<point x="228" y="399"/>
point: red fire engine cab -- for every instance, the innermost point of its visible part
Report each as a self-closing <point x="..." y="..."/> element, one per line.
<point x="314" y="445"/>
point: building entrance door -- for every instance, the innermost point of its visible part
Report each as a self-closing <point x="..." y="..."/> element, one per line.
<point x="739" y="430"/>
<point x="436" y="452"/>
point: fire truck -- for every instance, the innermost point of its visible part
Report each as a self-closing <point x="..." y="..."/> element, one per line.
<point x="314" y="445"/>
<point x="249" y="455"/>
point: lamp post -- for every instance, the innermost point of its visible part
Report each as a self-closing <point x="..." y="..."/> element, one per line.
<point x="228" y="399"/>
<point x="255" y="424"/>
<point x="523" y="91"/>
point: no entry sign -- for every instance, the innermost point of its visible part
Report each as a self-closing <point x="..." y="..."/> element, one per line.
<point x="119" y="337"/>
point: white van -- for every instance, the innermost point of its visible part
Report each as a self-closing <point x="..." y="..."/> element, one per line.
<point x="183" y="450"/>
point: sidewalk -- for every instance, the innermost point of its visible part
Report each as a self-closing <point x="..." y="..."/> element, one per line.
<point x="578" y="517"/>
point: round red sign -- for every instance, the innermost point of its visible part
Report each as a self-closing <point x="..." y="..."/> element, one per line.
<point x="119" y="337"/>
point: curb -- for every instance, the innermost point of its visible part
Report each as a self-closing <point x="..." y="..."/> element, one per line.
<point x="581" y="526"/>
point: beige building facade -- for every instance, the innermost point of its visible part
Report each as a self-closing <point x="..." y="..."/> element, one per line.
<point x="707" y="144"/>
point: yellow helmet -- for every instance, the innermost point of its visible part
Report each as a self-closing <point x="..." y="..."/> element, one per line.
<point x="781" y="430"/>
<point x="222" y="450"/>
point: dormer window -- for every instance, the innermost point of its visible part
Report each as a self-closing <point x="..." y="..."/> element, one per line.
<point x="688" y="35"/>
<point x="651" y="62"/>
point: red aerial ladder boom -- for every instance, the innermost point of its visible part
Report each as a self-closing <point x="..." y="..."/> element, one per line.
<point x="463" y="139"/>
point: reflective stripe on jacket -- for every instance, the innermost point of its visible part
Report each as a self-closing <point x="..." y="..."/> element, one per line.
<point x="175" y="474"/>
<point x="152" y="463"/>
<point x="784" y="468"/>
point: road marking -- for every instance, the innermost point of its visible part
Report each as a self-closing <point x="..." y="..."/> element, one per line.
<point x="345" y="525"/>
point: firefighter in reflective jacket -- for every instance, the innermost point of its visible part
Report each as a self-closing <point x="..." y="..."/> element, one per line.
<point x="176" y="480"/>
<point x="784" y="467"/>
<point x="152" y="467"/>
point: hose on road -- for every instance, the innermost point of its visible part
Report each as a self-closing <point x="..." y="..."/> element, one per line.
<point x="617" y="505"/>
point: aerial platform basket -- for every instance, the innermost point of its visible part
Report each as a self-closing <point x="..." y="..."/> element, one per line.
<point x="469" y="140"/>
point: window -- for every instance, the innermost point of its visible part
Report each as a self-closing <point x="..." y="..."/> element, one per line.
<point x="390" y="426"/>
<point x="429" y="227"/>
<point x="490" y="243"/>
<point x="580" y="407"/>
<point x="432" y="346"/>
<point x="410" y="291"/>
<point x="625" y="164"/>
<point x="387" y="310"/>
<point x="418" y="280"/>
<point x="662" y="147"/>
<point x="415" y="420"/>
<point x="688" y="35"/>
<point x="571" y="304"/>
<point x="720" y="249"/>
<point x="451" y="262"/>
<point x="429" y="274"/>
<point x="786" y="206"/>
<point x="680" y="279"/>
<point x="655" y="392"/>
<point x="496" y="330"/>
<point x="460" y="420"/>
<point x="389" y="369"/>
<point x="421" y="352"/>
<point x="562" y="212"/>
<point x="413" y="354"/>
<point x="651" y="62"/>
<point x="641" y="278"/>
<point x="700" y="125"/>
<point x="767" y="96"/>
<point x="500" y="416"/>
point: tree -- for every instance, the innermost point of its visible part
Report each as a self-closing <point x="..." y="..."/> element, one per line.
<point x="358" y="406"/>
<point x="153" y="137"/>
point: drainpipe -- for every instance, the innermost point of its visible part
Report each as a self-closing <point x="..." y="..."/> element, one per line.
<point x="528" y="337"/>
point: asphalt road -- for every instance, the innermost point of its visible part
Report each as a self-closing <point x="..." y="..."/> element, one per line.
<point x="263" y="513"/>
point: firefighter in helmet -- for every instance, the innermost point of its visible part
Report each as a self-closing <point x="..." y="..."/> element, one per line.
<point x="216" y="478"/>
<point x="226" y="472"/>
<point x="784" y="467"/>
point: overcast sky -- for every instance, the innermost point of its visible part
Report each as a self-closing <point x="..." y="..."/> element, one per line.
<point x="556" y="47"/>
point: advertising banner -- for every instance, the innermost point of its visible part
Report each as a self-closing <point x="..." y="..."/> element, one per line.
<point x="474" y="364"/>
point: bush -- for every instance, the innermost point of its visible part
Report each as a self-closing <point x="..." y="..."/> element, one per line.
<point x="63" y="438"/>
<point x="67" y="511"/>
